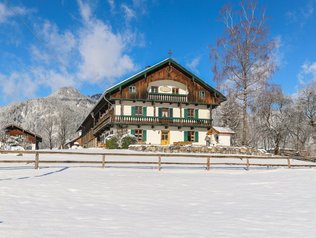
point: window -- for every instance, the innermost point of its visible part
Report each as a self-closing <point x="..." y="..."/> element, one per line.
<point x="139" y="135"/>
<point x="154" y="89"/>
<point x="190" y="113"/>
<point x="175" y="90"/>
<point x="132" y="89"/>
<point x="191" y="136"/>
<point x="165" y="112"/>
<point x="216" y="137"/>
<point x="138" y="111"/>
<point x="202" y="94"/>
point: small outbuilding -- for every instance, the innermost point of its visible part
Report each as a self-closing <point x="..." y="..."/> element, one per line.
<point x="23" y="136"/>
<point x="219" y="136"/>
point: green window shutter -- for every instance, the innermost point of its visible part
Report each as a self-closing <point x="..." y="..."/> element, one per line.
<point x="145" y="111"/>
<point x="159" y="112"/>
<point x="171" y="112"/>
<point x="186" y="136"/>
<point x="144" y="135"/>
<point x="196" y="113"/>
<point x="185" y="113"/>
<point x="132" y="131"/>
<point x="196" y="136"/>
<point x="133" y="111"/>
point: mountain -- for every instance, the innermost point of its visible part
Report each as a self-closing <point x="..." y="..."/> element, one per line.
<point x="36" y="114"/>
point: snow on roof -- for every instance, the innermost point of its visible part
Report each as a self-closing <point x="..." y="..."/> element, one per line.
<point x="226" y="130"/>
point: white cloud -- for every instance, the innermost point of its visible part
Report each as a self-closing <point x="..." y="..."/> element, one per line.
<point x="102" y="53"/>
<point x="56" y="46"/>
<point x="194" y="63"/>
<point x="303" y="14"/>
<point x="17" y="82"/>
<point x="128" y="12"/>
<point x="7" y="12"/>
<point x="112" y="4"/>
<point x="91" y="53"/>
<point x="85" y="10"/>
<point x="307" y="73"/>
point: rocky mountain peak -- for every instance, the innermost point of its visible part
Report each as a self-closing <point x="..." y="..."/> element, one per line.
<point x="67" y="92"/>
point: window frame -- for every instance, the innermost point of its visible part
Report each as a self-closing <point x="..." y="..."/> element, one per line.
<point x="202" y="94"/>
<point x="175" y="89"/>
<point x="154" y="89"/>
<point x="139" y="111"/>
<point x="139" y="134"/>
<point x="132" y="89"/>
<point x="191" y="136"/>
<point x="191" y="111"/>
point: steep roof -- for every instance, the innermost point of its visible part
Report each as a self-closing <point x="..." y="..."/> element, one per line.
<point x="223" y="130"/>
<point x="150" y="69"/>
<point x="12" y="126"/>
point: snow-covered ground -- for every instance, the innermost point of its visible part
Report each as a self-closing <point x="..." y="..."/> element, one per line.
<point x="88" y="201"/>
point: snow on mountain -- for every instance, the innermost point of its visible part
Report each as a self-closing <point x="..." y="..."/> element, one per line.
<point x="36" y="114"/>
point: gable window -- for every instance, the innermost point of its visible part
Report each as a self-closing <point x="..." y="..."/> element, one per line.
<point x="175" y="90"/>
<point x="138" y="111"/>
<point x="132" y="89"/>
<point x="202" y="94"/>
<point x="154" y="89"/>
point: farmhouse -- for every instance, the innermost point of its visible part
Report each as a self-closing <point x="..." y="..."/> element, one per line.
<point x="163" y="104"/>
<point x="17" y="136"/>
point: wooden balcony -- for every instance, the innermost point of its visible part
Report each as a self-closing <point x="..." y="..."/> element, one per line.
<point x="161" y="121"/>
<point x="103" y="122"/>
<point x="164" y="97"/>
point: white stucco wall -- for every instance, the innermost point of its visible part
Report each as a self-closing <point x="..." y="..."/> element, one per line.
<point x="117" y="109"/>
<point x="170" y="84"/>
<point x="176" y="135"/>
<point x="204" y="112"/>
<point x="223" y="140"/>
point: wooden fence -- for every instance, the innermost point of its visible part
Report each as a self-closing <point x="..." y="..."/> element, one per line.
<point x="247" y="160"/>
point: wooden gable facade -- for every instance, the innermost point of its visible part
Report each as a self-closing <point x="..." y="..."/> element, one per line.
<point x="14" y="130"/>
<point x="198" y="93"/>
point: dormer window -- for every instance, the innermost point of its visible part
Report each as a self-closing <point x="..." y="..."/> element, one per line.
<point x="154" y="89"/>
<point x="202" y="94"/>
<point x="132" y="89"/>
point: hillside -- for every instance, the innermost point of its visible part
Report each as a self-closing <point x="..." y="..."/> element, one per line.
<point x="36" y="114"/>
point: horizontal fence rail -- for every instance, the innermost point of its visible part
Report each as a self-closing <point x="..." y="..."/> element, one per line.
<point x="247" y="160"/>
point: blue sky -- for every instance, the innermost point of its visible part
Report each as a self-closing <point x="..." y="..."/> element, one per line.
<point x="93" y="44"/>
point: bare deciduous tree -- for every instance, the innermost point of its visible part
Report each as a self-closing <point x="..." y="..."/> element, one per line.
<point x="63" y="128"/>
<point x="272" y="111"/>
<point x="243" y="57"/>
<point x="308" y="101"/>
<point x="48" y="129"/>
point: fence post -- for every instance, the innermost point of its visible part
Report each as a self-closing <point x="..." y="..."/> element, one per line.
<point x="208" y="163"/>
<point x="247" y="164"/>
<point x="159" y="163"/>
<point x="288" y="163"/>
<point x="36" y="160"/>
<point x="103" y="161"/>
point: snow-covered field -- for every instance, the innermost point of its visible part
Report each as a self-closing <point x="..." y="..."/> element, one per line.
<point x="88" y="201"/>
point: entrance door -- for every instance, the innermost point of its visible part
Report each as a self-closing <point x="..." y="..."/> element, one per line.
<point x="165" y="137"/>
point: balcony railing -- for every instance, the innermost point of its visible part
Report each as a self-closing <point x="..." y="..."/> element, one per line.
<point x="164" y="97"/>
<point x="103" y="121"/>
<point x="163" y="121"/>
